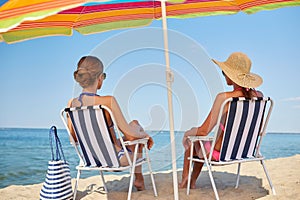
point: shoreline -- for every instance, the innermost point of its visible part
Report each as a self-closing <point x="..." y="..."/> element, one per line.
<point x="284" y="173"/>
<point x="64" y="129"/>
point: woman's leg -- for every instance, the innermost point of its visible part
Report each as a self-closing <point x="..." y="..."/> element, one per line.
<point x="196" y="171"/>
<point x="185" y="170"/>
<point x="139" y="179"/>
<point x="186" y="165"/>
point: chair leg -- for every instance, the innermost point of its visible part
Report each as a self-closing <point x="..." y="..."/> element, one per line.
<point x="238" y="176"/>
<point x="268" y="177"/>
<point x="213" y="182"/>
<point x="150" y="171"/>
<point x="190" y="169"/>
<point x="103" y="181"/>
<point x="132" y="171"/>
<point x="209" y="172"/>
<point x="76" y="184"/>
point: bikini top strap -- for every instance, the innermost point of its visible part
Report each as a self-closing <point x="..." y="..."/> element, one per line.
<point x="87" y="94"/>
<point x="253" y="89"/>
<point x="222" y="126"/>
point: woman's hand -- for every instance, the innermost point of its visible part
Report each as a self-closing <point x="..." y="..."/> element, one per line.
<point x="150" y="143"/>
<point x="140" y="133"/>
<point x="185" y="141"/>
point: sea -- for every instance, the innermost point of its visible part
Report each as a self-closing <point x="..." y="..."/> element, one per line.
<point x="24" y="153"/>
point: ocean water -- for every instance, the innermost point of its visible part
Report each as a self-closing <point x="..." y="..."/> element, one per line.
<point x="24" y="153"/>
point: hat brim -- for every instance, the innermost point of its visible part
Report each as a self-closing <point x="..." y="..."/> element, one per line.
<point x="250" y="81"/>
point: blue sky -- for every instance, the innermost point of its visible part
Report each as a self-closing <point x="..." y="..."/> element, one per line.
<point x="36" y="75"/>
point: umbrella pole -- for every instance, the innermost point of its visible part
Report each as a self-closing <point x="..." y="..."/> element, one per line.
<point x="170" y="79"/>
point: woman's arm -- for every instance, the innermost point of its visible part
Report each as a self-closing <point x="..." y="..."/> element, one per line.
<point x="209" y="122"/>
<point x="129" y="132"/>
<point x="70" y="127"/>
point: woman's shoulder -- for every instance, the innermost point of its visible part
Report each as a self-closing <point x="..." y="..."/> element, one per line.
<point x="107" y="100"/>
<point x="104" y="96"/>
<point x="71" y="102"/>
<point x="226" y="95"/>
<point x="237" y="93"/>
<point x="222" y="96"/>
<point x="259" y="93"/>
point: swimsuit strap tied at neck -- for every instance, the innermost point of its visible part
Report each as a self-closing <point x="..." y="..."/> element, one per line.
<point x="87" y="94"/>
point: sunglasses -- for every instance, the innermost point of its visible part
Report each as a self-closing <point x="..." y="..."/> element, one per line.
<point x="104" y="76"/>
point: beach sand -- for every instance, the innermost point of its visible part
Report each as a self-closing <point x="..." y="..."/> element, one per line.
<point x="285" y="174"/>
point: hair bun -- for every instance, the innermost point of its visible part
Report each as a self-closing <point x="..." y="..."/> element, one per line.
<point x="88" y="69"/>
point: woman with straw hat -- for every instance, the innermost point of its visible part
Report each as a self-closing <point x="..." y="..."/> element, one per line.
<point x="236" y="70"/>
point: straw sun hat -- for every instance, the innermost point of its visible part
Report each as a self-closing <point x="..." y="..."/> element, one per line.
<point x="237" y="68"/>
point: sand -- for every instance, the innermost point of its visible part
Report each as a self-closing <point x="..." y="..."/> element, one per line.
<point x="285" y="174"/>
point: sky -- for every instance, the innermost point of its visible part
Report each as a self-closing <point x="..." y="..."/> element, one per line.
<point x="37" y="75"/>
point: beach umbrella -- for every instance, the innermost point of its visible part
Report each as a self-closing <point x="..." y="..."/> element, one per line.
<point x="22" y="20"/>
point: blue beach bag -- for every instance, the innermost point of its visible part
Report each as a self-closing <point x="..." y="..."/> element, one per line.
<point x="57" y="184"/>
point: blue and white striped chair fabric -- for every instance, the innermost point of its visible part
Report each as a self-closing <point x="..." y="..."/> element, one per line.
<point x="242" y="128"/>
<point x="245" y="127"/>
<point x="96" y="149"/>
<point x="93" y="136"/>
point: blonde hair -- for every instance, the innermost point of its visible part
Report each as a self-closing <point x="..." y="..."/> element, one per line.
<point x="88" y="70"/>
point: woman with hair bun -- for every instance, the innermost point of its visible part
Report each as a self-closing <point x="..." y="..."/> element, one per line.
<point x="90" y="76"/>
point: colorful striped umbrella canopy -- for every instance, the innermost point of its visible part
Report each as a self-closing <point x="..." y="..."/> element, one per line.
<point x="22" y="20"/>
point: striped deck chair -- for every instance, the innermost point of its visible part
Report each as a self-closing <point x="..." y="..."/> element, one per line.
<point x="95" y="146"/>
<point x="245" y="127"/>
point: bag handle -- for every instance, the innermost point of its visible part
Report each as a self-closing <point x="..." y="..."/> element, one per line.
<point x="58" y="146"/>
